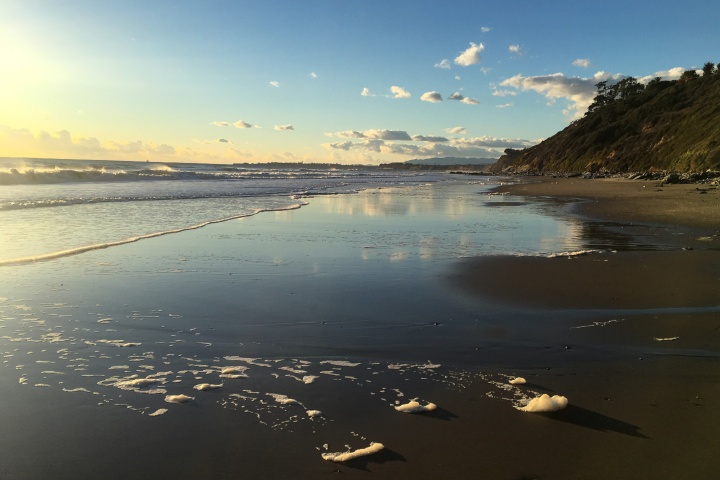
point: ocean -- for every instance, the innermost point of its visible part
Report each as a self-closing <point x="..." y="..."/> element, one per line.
<point x="54" y="208"/>
<point x="211" y="321"/>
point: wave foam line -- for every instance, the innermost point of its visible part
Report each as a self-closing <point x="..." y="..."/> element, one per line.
<point x="99" y="246"/>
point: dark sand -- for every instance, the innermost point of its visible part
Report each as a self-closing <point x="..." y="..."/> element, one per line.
<point x="622" y="200"/>
<point x="684" y="272"/>
<point x="622" y="280"/>
<point x="642" y="378"/>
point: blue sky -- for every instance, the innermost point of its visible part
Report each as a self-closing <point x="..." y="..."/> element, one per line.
<point x="322" y="80"/>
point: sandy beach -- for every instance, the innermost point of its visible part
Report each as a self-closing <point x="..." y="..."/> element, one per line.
<point x="641" y="411"/>
<point x="623" y="200"/>
<point x="356" y="304"/>
<point x="682" y="269"/>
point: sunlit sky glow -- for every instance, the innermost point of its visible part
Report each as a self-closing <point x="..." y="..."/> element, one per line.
<point x="322" y="80"/>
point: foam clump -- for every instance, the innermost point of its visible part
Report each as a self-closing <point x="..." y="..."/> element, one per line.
<point x="576" y="253"/>
<point x="340" y="363"/>
<point x="518" y="381"/>
<point x="207" y="386"/>
<point x="178" y="398"/>
<point x="138" y="383"/>
<point x="545" y="403"/>
<point x="233" y="372"/>
<point x="313" y="413"/>
<point x="307" y="379"/>
<point x="283" y="399"/>
<point x="248" y="360"/>
<point x="415" y="407"/>
<point x="158" y="412"/>
<point x="120" y="343"/>
<point x="350" y="455"/>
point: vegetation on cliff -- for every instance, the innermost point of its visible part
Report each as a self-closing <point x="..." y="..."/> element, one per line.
<point x="630" y="127"/>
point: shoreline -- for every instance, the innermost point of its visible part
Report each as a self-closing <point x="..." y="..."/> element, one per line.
<point x="639" y="375"/>
<point x="684" y="271"/>
<point x="619" y="199"/>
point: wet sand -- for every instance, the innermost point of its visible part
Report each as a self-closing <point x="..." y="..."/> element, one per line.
<point x="646" y="369"/>
<point x="611" y="281"/>
<point x="684" y="221"/>
<point x="408" y="322"/>
<point x="622" y="200"/>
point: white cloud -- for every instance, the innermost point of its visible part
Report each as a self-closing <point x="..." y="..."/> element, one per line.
<point x="471" y="55"/>
<point x="375" y="134"/>
<point x="503" y="93"/>
<point x="485" y="29"/>
<point x="346" y="145"/>
<point x="387" y="134"/>
<point x="431" y="139"/>
<point x="162" y="149"/>
<point x="581" y="62"/>
<point x="489" y="147"/>
<point x="580" y="92"/>
<point x="220" y="124"/>
<point x="433" y="97"/>
<point x="349" y="134"/>
<point x="504" y="105"/>
<point x="670" y="74"/>
<point x="313" y="75"/>
<point x="275" y="83"/>
<point x="444" y="63"/>
<point x="213" y="142"/>
<point x="457" y="77"/>
<point x="457" y="130"/>
<point x="399" y="92"/>
<point x="284" y="127"/>
<point x="242" y="153"/>
<point x="495" y="142"/>
<point x="62" y="144"/>
<point x="243" y="124"/>
<point x="462" y="98"/>
<point x="366" y="92"/>
<point x="516" y="49"/>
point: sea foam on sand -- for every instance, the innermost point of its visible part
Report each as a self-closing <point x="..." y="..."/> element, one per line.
<point x="545" y="403"/>
<point x="361" y="452"/>
<point x="207" y="386"/>
<point x="178" y="398"/>
<point x="518" y="381"/>
<point x="307" y="379"/>
<point x="415" y="407"/>
<point x="138" y="382"/>
<point x="340" y="363"/>
<point x="283" y="399"/>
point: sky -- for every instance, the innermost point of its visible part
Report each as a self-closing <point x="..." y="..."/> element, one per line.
<point x="341" y="81"/>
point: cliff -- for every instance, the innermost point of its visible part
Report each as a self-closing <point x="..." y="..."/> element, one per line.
<point x="664" y="126"/>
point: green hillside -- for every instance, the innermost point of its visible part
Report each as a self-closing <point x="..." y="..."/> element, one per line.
<point x="664" y="126"/>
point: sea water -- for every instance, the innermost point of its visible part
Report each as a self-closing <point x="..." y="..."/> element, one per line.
<point x="51" y="207"/>
<point x="137" y="298"/>
<point x="54" y="208"/>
